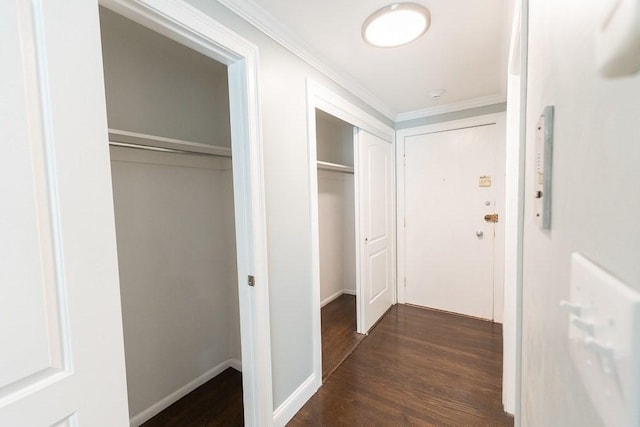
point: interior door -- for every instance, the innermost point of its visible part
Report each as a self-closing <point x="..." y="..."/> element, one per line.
<point x="61" y="356"/>
<point x="376" y="244"/>
<point x="449" y="252"/>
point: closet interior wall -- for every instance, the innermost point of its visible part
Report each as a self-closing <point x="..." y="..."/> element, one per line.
<point x="174" y="215"/>
<point x="336" y="214"/>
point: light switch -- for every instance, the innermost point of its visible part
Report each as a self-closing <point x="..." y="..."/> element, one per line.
<point x="618" y="38"/>
<point x="604" y="333"/>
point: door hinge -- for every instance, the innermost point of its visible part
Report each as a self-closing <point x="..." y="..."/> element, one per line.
<point x="491" y="217"/>
<point x="251" y="281"/>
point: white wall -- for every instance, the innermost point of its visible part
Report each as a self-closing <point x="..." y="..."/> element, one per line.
<point x="336" y="209"/>
<point x="176" y="255"/>
<point x="337" y="234"/>
<point x="596" y="200"/>
<point x="188" y="92"/>
<point x="284" y="131"/>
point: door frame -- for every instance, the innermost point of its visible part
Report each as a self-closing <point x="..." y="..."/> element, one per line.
<point x="194" y="29"/>
<point x="322" y="98"/>
<point x="489" y="119"/>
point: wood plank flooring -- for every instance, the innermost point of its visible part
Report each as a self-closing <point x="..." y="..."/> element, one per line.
<point x="216" y="403"/>
<point x="339" y="337"/>
<point x="417" y="367"/>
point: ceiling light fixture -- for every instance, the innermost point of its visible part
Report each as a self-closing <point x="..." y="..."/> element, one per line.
<point x="396" y="25"/>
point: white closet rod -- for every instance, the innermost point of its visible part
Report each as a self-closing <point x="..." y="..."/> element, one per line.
<point x="123" y="138"/>
<point x="334" y="167"/>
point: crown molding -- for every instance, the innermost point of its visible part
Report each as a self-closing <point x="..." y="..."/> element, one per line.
<point x="451" y="107"/>
<point x="265" y="22"/>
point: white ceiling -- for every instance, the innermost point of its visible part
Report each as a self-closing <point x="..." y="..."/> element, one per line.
<point x="464" y="51"/>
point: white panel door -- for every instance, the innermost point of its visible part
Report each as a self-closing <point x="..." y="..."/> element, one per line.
<point x="449" y="245"/>
<point x="376" y="206"/>
<point x="61" y="348"/>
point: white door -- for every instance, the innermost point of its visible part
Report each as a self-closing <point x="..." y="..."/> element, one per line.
<point x="448" y="244"/>
<point x="376" y="206"/>
<point x="61" y="351"/>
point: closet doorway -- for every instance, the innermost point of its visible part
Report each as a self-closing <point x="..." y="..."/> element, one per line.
<point x="337" y="222"/>
<point x="189" y="221"/>
<point x="352" y="215"/>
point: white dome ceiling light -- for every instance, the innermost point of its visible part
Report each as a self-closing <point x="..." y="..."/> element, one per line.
<point x="396" y="25"/>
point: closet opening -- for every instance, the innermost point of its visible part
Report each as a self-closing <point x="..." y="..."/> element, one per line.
<point x="170" y="134"/>
<point x="337" y="238"/>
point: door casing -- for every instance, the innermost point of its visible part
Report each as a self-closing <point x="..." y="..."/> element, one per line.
<point x="198" y="31"/>
<point x="499" y="120"/>
<point x="319" y="97"/>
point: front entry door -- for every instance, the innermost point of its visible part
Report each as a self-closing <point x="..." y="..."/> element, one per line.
<point x="61" y="346"/>
<point x="449" y="188"/>
<point x="376" y="206"/>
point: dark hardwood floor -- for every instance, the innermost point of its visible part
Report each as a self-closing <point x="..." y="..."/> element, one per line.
<point x="339" y="337"/>
<point x="416" y="367"/>
<point x="217" y="402"/>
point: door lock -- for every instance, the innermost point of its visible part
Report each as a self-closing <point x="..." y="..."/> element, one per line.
<point x="491" y="217"/>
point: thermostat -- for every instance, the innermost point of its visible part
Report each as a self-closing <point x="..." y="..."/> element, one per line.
<point x="543" y="160"/>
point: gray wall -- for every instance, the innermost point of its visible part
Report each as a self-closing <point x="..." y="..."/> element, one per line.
<point x="178" y="279"/>
<point x="455" y="115"/>
<point x="159" y="87"/>
<point x="284" y="129"/>
<point x="596" y="201"/>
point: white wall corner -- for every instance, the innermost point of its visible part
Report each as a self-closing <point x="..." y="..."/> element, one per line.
<point x="451" y="107"/>
<point x="167" y="401"/>
<point x="286" y="411"/>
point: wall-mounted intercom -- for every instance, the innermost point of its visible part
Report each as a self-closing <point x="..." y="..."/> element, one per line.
<point x="543" y="160"/>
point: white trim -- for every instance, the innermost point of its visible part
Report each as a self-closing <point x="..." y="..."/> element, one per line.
<point x="257" y="16"/>
<point x="332" y="103"/>
<point x="319" y="97"/>
<point x="524" y="77"/>
<point x="451" y="107"/>
<point x="169" y="400"/>
<point x="194" y="29"/>
<point x="337" y="295"/>
<point x="235" y="364"/>
<point x="331" y="298"/>
<point x="286" y="411"/>
<point x="401" y="135"/>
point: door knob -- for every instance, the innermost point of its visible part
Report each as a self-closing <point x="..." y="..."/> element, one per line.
<point x="479" y="233"/>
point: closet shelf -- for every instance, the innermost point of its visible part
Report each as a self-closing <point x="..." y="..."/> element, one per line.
<point x="141" y="140"/>
<point x="334" y="167"/>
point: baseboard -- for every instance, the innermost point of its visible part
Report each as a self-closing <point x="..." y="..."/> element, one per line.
<point x="283" y="414"/>
<point x="154" y="409"/>
<point x="236" y="364"/>
<point x="331" y="298"/>
<point x="336" y="296"/>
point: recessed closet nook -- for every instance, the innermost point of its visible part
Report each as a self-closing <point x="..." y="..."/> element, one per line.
<point x="168" y="115"/>
<point x="337" y="236"/>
